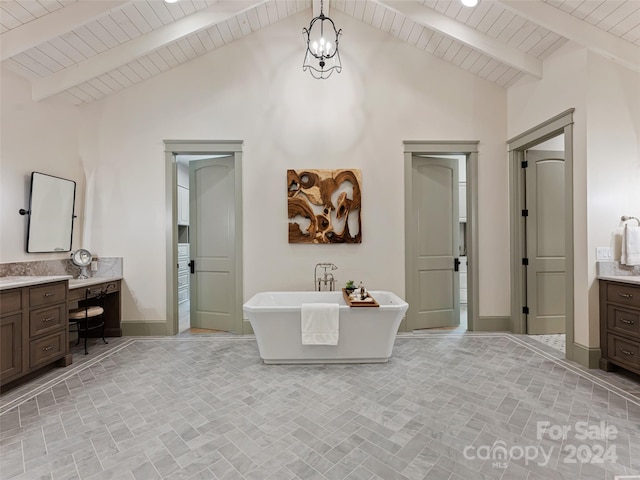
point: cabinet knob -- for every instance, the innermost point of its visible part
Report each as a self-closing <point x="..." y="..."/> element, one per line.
<point x="628" y="322"/>
<point x="626" y="352"/>
<point x="48" y="319"/>
<point x="625" y="295"/>
<point x="48" y="294"/>
<point x="47" y="348"/>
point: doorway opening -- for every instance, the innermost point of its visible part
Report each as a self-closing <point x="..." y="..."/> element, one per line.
<point x="440" y="235"/>
<point x="204" y="260"/>
<point x="541" y="211"/>
<point x="186" y="264"/>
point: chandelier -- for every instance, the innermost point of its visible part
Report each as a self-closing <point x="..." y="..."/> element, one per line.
<point x="322" y="57"/>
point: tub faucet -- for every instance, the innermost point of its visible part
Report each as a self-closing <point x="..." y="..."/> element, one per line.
<point x="327" y="277"/>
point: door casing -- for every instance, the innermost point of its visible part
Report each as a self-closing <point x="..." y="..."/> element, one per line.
<point x="198" y="147"/>
<point x="560" y="124"/>
<point x="470" y="150"/>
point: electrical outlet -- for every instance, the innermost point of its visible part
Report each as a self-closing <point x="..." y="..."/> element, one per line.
<point x="604" y="253"/>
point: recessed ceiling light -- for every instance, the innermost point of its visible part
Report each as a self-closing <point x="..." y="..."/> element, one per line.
<point x="469" y="3"/>
<point x="170" y="1"/>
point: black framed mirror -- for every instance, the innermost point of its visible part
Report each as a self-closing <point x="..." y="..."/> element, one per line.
<point x="51" y="213"/>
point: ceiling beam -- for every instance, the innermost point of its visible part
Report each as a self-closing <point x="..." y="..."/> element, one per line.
<point x="55" y="24"/>
<point x="462" y="33"/>
<point x="579" y="31"/>
<point x="138" y="47"/>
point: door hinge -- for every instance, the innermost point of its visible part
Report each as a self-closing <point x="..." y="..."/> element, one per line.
<point x="456" y="264"/>
<point x="525" y="213"/>
<point x="524" y="164"/>
<point x="525" y="310"/>
<point x="525" y="261"/>
<point x="192" y="266"/>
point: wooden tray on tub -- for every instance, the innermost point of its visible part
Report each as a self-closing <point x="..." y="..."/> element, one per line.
<point x="359" y="303"/>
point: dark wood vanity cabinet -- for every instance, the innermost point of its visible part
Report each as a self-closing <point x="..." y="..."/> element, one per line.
<point x="33" y="329"/>
<point x="619" y="325"/>
<point x="12" y="304"/>
<point x="110" y="303"/>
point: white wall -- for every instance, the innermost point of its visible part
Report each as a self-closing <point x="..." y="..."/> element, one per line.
<point x="254" y="90"/>
<point x="606" y="174"/>
<point x="613" y="148"/>
<point x="38" y="137"/>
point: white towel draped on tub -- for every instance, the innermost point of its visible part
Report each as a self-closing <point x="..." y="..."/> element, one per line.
<point x="630" y="246"/>
<point x="319" y="322"/>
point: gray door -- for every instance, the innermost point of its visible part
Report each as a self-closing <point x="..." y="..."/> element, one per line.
<point x="545" y="226"/>
<point x="433" y="293"/>
<point x="212" y="238"/>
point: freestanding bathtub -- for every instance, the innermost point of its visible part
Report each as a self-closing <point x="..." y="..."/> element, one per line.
<point x="366" y="334"/>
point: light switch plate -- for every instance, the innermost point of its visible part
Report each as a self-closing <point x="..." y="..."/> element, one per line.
<point x="604" y="253"/>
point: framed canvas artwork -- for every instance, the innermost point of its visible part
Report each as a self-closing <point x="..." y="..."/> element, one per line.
<point x="324" y="206"/>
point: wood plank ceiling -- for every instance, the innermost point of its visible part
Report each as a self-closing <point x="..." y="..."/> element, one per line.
<point x="87" y="49"/>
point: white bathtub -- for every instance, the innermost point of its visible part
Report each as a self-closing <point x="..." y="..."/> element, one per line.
<point x="366" y="333"/>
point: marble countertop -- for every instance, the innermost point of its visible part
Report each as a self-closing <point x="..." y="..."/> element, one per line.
<point x="87" y="282"/>
<point x="18" y="281"/>
<point x="29" y="280"/>
<point x="633" y="279"/>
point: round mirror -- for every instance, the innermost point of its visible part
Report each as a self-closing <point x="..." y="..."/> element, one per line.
<point x="82" y="258"/>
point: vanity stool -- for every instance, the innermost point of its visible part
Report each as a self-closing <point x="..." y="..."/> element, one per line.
<point x="89" y="316"/>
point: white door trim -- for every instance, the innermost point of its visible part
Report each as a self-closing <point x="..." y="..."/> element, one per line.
<point x="198" y="147"/>
<point x="470" y="150"/>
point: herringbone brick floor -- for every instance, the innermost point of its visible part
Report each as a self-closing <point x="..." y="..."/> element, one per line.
<point x="444" y="407"/>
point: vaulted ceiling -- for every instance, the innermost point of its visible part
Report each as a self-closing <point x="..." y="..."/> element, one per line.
<point x="87" y="49"/>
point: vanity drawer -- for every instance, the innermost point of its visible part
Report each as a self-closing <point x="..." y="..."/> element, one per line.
<point x="45" y="350"/>
<point x="47" y="294"/>
<point x="623" y="350"/>
<point x="111" y="286"/>
<point x="623" y="321"/>
<point x="46" y="319"/>
<point x="76" y="294"/>
<point x="10" y="301"/>
<point x="623" y="294"/>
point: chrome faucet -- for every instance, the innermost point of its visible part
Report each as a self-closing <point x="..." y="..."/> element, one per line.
<point x="327" y="277"/>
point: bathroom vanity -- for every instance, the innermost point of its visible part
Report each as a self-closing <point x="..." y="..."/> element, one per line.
<point x="112" y="309"/>
<point x="620" y="322"/>
<point x="33" y="325"/>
